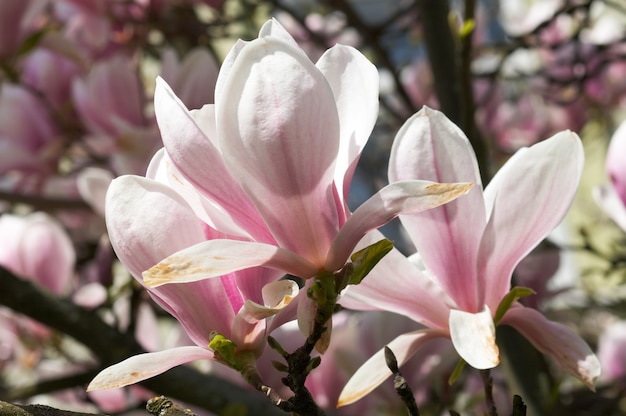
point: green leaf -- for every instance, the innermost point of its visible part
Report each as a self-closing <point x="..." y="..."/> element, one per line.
<point x="224" y="350"/>
<point x="509" y="299"/>
<point x="467" y="28"/>
<point x="457" y="372"/>
<point x="364" y="260"/>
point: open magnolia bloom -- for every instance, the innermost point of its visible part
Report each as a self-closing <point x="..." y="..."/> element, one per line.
<point x="251" y="188"/>
<point x="460" y="288"/>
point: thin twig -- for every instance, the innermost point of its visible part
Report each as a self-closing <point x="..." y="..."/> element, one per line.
<point x="400" y="384"/>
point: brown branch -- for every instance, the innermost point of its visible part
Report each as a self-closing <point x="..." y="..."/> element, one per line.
<point x="9" y="409"/>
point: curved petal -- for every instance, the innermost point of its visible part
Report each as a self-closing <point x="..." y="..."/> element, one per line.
<point x="371" y="374"/>
<point x="430" y="147"/>
<point x="201" y="163"/>
<point x="557" y="341"/>
<point x="392" y="286"/>
<point x="143" y="366"/>
<point x="147" y="222"/>
<point x="405" y="197"/>
<point x="215" y="258"/>
<point x="92" y="185"/>
<point x="531" y="194"/>
<point x="354" y="82"/>
<point x="474" y="338"/>
<point x="278" y="130"/>
<point x="273" y="28"/>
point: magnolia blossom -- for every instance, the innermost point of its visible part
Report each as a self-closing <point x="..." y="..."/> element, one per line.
<point x="250" y="188"/>
<point x="468" y="250"/>
<point x="36" y="247"/>
<point x="612" y="197"/>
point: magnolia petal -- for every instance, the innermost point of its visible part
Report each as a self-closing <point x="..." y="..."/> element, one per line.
<point x="392" y="285"/>
<point x="278" y="130"/>
<point x="148" y="221"/>
<point x="531" y="193"/>
<point x="273" y="28"/>
<point x="143" y="366"/>
<point x="215" y="258"/>
<point x="611" y="204"/>
<point x="354" y="82"/>
<point x="276" y="296"/>
<point x="431" y="147"/>
<point x="474" y="338"/>
<point x="374" y="371"/>
<point x="201" y="163"/>
<point x="404" y="197"/>
<point x="568" y="349"/>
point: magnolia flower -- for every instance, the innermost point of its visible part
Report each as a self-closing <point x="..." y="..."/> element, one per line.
<point x="276" y="155"/>
<point x="36" y="247"/>
<point x="468" y="250"/>
<point x="612" y="197"/>
<point x="249" y="189"/>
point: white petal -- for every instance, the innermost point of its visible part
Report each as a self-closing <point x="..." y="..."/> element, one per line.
<point x="474" y="338"/>
<point x="372" y="374"/>
<point x="143" y="366"/>
<point x="215" y="258"/>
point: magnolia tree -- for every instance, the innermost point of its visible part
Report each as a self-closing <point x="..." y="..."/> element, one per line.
<point x="312" y="207"/>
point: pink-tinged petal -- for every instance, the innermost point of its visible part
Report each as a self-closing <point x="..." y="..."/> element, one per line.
<point x="148" y="221"/>
<point x="201" y="163"/>
<point x="354" y="82"/>
<point x="430" y="147"/>
<point x="276" y="296"/>
<point x="392" y="286"/>
<point x="404" y="197"/>
<point x="557" y="341"/>
<point x="474" y="338"/>
<point x="143" y="366"/>
<point x="229" y="60"/>
<point x="531" y="194"/>
<point x="375" y="371"/>
<point x="278" y="130"/>
<point x="611" y="204"/>
<point x="249" y="325"/>
<point x="162" y="169"/>
<point x="215" y="258"/>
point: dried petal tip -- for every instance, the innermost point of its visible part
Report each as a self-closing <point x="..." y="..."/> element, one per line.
<point x="449" y="191"/>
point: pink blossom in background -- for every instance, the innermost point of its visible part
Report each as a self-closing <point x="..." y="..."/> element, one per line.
<point x="17" y="21"/>
<point x="468" y="249"/>
<point x="37" y="248"/>
<point x="612" y="352"/>
<point x="29" y="139"/>
<point x="193" y="78"/>
<point x="110" y="101"/>
<point x="611" y="197"/>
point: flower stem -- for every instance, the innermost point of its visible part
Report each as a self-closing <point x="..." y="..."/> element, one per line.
<point x="488" y="386"/>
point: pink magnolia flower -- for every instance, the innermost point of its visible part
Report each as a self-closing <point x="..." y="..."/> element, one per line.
<point x="110" y="101"/>
<point x="29" y="140"/>
<point x="468" y="250"/>
<point x="193" y="79"/>
<point x="612" y="352"/>
<point x="249" y="189"/>
<point x="612" y="197"/>
<point x="17" y="19"/>
<point x="36" y="247"/>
